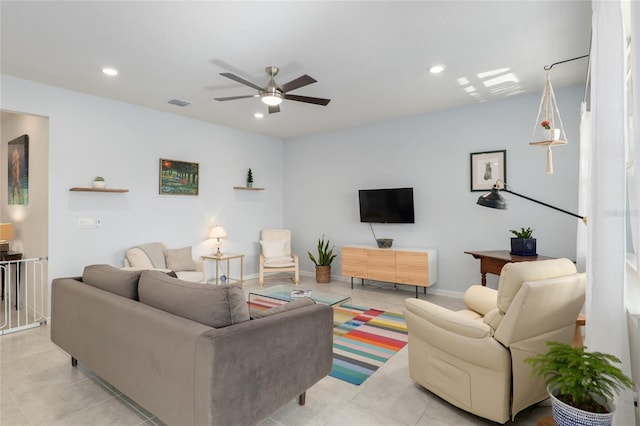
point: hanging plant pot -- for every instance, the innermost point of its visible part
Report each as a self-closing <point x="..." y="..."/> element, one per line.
<point x="323" y="274"/>
<point x="566" y="415"/>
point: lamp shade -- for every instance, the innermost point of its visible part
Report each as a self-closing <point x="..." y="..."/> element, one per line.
<point x="217" y="232"/>
<point x="6" y="231"/>
<point x="493" y="199"/>
<point x="271" y="99"/>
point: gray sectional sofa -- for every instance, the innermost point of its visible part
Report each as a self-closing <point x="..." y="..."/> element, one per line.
<point x="189" y="353"/>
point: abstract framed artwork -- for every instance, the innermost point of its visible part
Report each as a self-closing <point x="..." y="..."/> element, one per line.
<point x="486" y="168"/>
<point x="18" y="166"/>
<point x="179" y="177"/>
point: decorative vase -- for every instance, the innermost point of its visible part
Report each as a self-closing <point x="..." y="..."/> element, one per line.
<point x="566" y="415"/>
<point x="523" y="246"/>
<point x="249" y="184"/>
<point x="323" y="273"/>
<point x="100" y="184"/>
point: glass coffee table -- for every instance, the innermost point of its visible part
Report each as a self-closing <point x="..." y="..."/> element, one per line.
<point x="283" y="292"/>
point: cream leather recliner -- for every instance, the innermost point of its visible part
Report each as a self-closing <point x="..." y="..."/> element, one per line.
<point x="474" y="358"/>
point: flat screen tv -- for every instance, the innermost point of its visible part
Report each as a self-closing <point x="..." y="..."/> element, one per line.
<point x="392" y="205"/>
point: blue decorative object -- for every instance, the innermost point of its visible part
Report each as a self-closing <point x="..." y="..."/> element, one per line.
<point x="223" y="279"/>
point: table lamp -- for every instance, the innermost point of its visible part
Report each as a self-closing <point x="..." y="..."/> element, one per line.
<point x="217" y="232"/>
<point x="6" y="235"/>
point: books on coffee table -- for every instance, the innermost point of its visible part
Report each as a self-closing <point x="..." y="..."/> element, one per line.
<point x="295" y="294"/>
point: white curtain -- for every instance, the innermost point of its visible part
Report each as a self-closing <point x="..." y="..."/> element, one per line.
<point x="606" y="327"/>
<point x="583" y="186"/>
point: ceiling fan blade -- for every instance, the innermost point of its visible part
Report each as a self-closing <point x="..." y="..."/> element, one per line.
<point x="301" y="81"/>
<point x="273" y="109"/>
<point x="233" y="98"/>
<point x="241" y="80"/>
<point x="307" y="99"/>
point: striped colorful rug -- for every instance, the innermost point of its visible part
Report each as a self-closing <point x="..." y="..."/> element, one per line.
<point x="364" y="339"/>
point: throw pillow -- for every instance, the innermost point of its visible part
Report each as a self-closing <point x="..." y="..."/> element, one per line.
<point x="138" y="258"/>
<point x="180" y="259"/>
<point x="215" y="306"/>
<point x="273" y="248"/>
<point x="113" y="280"/>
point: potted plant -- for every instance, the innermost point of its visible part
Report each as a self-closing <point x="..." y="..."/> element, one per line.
<point x="249" y="179"/>
<point x="99" y="182"/>
<point x="581" y="384"/>
<point x="523" y="244"/>
<point x="323" y="261"/>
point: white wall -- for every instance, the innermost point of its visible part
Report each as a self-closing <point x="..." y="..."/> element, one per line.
<point x="431" y="154"/>
<point x="316" y="178"/>
<point x="92" y="136"/>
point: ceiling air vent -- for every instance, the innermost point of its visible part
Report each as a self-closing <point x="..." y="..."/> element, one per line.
<point x="179" y="102"/>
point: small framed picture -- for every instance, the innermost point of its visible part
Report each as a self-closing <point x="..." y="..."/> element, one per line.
<point x="486" y="168"/>
<point x="179" y="177"/>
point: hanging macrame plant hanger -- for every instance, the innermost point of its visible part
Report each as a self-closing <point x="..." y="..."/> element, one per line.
<point x="548" y="130"/>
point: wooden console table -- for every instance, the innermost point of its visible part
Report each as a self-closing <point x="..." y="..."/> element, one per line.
<point x="492" y="261"/>
<point x="409" y="266"/>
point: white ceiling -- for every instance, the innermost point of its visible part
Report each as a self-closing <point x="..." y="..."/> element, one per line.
<point x="369" y="57"/>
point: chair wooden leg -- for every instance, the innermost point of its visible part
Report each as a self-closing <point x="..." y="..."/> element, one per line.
<point x="74" y="362"/>
<point x="302" y="398"/>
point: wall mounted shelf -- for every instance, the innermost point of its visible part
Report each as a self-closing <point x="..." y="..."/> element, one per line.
<point x="98" y="189"/>
<point x="244" y="188"/>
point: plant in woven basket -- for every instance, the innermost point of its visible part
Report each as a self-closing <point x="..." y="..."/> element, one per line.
<point x="325" y="254"/>
<point x="579" y="378"/>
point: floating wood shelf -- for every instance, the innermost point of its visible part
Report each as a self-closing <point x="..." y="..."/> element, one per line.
<point x="244" y="188"/>
<point x="98" y="189"/>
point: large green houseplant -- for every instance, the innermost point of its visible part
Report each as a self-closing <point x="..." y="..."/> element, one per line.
<point x="586" y="381"/>
<point x="323" y="261"/>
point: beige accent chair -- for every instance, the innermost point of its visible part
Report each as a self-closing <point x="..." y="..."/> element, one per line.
<point x="474" y="358"/>
<point x="276" y="254"/>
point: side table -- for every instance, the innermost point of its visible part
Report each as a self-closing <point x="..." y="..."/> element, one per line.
<point x="492" y="261"/>
<point x="11" y="258"/>
<point x="228" y="257"/>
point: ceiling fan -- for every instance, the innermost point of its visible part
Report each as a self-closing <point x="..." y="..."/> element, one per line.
<point x="272" y="94"/>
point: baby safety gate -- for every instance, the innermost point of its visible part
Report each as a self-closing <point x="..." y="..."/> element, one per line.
<point x="23" y="295"/>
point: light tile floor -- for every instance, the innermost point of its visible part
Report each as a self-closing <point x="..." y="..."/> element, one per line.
<point x="38" y="386"/>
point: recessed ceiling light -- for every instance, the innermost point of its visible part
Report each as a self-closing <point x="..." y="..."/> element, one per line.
<point x="436" y="69"/>
<point x="258" y="115"/>
<point x="110" y="71"/>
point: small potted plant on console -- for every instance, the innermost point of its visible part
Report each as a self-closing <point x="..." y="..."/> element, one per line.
<point x="523" y="244"/>
<point x="323" y="261"/>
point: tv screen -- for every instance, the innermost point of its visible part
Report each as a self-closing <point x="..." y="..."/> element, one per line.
<point x="394" y="205"/>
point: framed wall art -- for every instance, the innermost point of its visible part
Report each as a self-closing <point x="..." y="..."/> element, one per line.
<point x="18" y="176"/>
<point x="486" y="168"/>
<point x="179" y="177"/>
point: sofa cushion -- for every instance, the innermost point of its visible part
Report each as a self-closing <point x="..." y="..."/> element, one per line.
<point x="215" y="306"/>
<point x="113" y="280"/>
<point x="180" y="259"/>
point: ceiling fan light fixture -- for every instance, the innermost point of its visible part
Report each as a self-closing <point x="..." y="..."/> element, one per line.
<point x="273" y="98"/>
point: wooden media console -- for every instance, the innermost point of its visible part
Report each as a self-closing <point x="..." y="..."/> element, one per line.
<point x="408" y="266"/>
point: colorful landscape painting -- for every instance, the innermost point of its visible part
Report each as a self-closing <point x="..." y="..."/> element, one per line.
<point x="18" y="162"/>
<point x="178" y="177"/>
